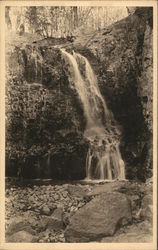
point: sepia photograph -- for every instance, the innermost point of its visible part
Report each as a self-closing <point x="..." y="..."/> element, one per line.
<point x="79" y="123"/>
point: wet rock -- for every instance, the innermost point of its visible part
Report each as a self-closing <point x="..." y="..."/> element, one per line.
<point x="21" y="236"/>
<point x="100" y="217"/>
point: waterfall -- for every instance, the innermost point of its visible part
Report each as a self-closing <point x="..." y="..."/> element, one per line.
<point x="104" y="159"/>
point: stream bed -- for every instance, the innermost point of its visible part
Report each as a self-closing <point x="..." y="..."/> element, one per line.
<point x="44" y="210"/>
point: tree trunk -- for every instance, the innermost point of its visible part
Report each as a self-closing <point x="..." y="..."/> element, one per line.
<point x="75" y="12"/>
<point x="7" y="17"/>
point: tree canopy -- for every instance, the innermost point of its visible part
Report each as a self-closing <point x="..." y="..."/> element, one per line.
<point x="60" y="21"/>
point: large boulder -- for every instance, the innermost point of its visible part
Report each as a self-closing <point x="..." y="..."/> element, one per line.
<point x="21" y="236"/>
<point x="18" y="224"/>
<point x="99" y="218"/>
<point x="55" y="221"/>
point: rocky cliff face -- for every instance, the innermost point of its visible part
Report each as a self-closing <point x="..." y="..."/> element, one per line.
<point x="45" y="120"/>
<point x="124" y="51"/>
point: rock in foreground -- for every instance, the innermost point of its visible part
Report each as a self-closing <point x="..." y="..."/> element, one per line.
<point x="99" y="218"/>
<point x="21" y="236"/>
<point x="141" y="232"/>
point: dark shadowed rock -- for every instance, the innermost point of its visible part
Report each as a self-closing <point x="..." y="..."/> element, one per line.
<point x="55" y="221"/>
<point x="66" y="218"/>
<point x="21" y="236"/>
<point x="99" y="218"/>
<point x="147" y="207"/>
<point x="147" y="213"/>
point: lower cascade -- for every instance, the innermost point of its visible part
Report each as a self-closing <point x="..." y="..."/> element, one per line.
<point x="104" y="161"/>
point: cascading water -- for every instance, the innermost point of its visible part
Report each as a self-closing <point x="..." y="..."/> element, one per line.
<point x="104" y="160"/>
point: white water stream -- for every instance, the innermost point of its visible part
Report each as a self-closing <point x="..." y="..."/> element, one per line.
<point x="104" y="161"/>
